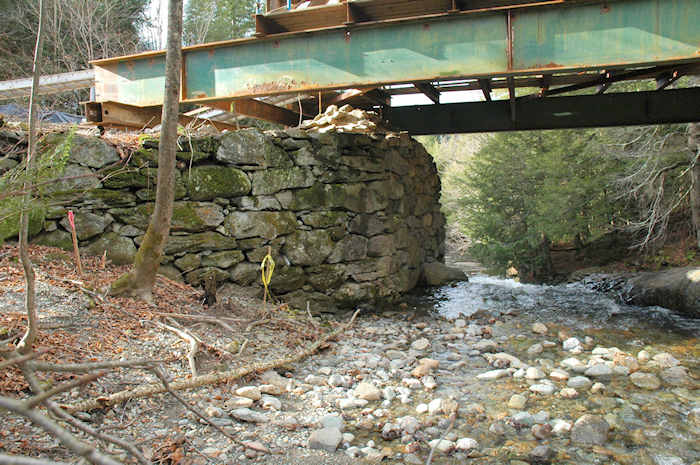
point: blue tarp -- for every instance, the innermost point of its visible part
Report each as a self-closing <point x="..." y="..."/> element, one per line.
<point x="50" y="116"/>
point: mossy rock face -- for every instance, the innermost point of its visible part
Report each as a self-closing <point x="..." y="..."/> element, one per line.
<point x="74" y="179"/>
<point x="209" y="182"/>
<point x="261" y="202"/>
<point x="273" y="180"/>
<point x="318" y="196"/>
<point x="198" y="276"/>
<point x="192" y="243"/>
<point x="224" y="259"/>
<point x="193" y="157"/>
<point x="288" y="278"/>
<point x="187" y="216"/>
<point x="120" y="250"/>
<point x="9" y="224"/>
<point x="308" y="247"/>
<point x="144" y="157"/>
<point x="209" y="144"/>
<point x="246" y="274"/>
<point x="253" y="148"/>
<point x="87" y="151"/>
<point x="87" y="224"/>
<point x="188" y="262"/>
<point x="350" y="294"/>
<point x="324" y="219"/>
<point x="58" y="238"/>
<point x="128" y="177"/>
<point x="108" y="198"/>
<point x="368" y="225"/>
<point x="260" y="224"/>
<point x="324" y="277"/>
<point x="171" y="272"/>
<point x="350" y="248"/>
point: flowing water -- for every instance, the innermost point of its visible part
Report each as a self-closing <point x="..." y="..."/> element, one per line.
<point x="658" y="426"/>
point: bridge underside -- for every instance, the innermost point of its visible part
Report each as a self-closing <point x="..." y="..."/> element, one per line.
<point x="524" y="59"/>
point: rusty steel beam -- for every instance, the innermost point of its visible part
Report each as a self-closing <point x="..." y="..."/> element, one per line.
<point x="258" y="109"/>
<point x="612" y="109"/>
<point x="564" y="37"/>
<point x="428" y="90"/>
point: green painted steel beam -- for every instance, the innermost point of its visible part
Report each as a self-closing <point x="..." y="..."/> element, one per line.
<point x="580" y="111"/>
<point x="559" y="38"/>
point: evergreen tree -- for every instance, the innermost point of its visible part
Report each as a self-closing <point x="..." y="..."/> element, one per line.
<point x="214" y="20"/>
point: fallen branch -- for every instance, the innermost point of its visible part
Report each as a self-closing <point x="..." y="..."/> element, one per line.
<point x="148" y="390"/>
<point x="88" y="367"/>
<point x="190" y="339"/>
<point x="201" y="318"/>
<point x="453" y="417"/>
<point x="21" y="460"/>
<point x="163" y="379"/>
<point x="81" y="449"/>
<point x="21" y="359"/>
<point x="41" y="397"/>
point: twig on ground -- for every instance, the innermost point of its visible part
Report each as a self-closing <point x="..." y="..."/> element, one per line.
<point x="148" y="390"/>
<point x="243" y="346"/>
<point x="21" y="460"/>
<point x="71" y="443"/>
<point x="453" y="417"/>
<point x="190" y="339"/>
<point x="91" y="366"/>
<point x="22" y="358"/>
<point x="201" y="318"/>
<point x="163" y="379"/>
<point x="39" y="398"/>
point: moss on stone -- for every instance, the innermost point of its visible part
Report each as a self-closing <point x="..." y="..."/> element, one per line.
<point x="224" y="259"/>
<point x="144" y="157"/>
<point x="211" y="181"/>
<point x="187" y="216"/>
<point x="57" y="238"/>
<point x="192" y="243"/>
<point x="269" y="225"/>
<point x="108" y="198"/>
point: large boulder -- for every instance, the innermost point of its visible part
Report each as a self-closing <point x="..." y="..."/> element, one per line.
<point x="120" y="250"/>
<point x="438" y="274"/>
<point x="677" y="289"/>
<point x="211" y="181"/>
<point x="251" y="147"/>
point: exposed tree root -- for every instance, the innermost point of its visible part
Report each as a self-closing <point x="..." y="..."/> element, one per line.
<point x="152" y="389"/>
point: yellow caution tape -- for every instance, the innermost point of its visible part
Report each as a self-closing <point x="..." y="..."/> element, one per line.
<point x="267" y="272"/>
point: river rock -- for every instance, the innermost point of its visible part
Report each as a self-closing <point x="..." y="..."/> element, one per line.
<point x="517" y="401"/>
<point x="367" y="391"/>
<point x="645" y="380"/>
<point x="539" y="328"/>
<point x="251" y="392"/>
<point x="590" y="429"/>
<point x="560" y="427"/>
<point x="493" y="374"/>
<point x="571" y="344"/>
<point x="248" y="415"/>
<point x="326" y="439"/>
<point x="534" y="373"/>
<point x="568" y="393"/>
<point x="541" y="455"/>
<point x="439" y="274"/>
<point x="466" y="444"/>
<point x="238" y="402"/>
<point x="535" y="349"/>
<point x="676" y="376"/>
<point x="429" y="382"/>
<point x="271" y="403"/>
<point x="350" y="403"/>
<point x="579" y="382"/>
<point x="425" y="366"/>
<point x="420" y="344"/>
<point x="559" y="375"/>
<point x="676" y="289"/>
<point x="545" y="389"/>
<point x="541" y="431"/>
<point x="442" y="445"/>
<point x="599" y="370"/>
<point x="665" y="360"/>
<point x="409" y="424"/>
<point x="333" y="421"/>
<point x="573" y="364"/>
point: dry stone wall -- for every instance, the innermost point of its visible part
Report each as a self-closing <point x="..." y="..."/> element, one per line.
<point x="349" y="218"/>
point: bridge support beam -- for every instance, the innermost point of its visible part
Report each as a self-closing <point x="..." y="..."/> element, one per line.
<point x="617" y="109"/>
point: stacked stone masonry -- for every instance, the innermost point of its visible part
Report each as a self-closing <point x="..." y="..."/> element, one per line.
<point x="349" y="218"/>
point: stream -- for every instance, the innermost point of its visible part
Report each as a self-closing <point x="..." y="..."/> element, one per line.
<point x="539" y="374"/>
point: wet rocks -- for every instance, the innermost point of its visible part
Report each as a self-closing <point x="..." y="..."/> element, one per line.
<point x="517" y="402"/>
<point x="420" y="344"/>
<point x="493" y="374"/>
<point x="465" y="444"/>
<point x="248" y="415"/>
<point x="326" y="439"/>
<point x="367" y="391"/>
<point x="590" y="429"/>
<point x="647" y="381"/>
<point x="541" y="455"/>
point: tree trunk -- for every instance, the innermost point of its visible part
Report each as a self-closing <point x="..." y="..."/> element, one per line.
<point x="25" y="345"/>
<point x="694" y="147"/>
<point x="139" y="282"/>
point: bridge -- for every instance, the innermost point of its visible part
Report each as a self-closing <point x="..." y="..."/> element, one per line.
<point x="537" y="64"/>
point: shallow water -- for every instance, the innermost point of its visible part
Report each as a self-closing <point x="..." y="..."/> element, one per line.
<point x="651" y="426"/>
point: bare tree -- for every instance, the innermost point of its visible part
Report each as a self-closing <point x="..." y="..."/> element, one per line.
<point x="25" y="345"/>
<point x="139" y="282"/>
